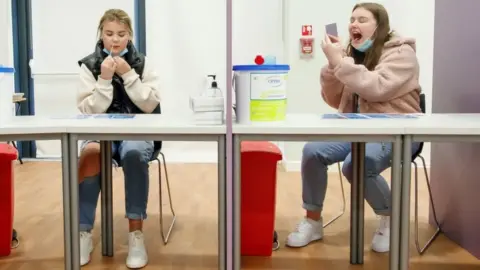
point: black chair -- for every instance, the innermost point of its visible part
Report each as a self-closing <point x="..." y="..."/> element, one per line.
<point x="156" y="156"/>
<point x="417" y="154"/>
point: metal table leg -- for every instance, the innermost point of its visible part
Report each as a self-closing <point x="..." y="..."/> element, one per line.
<point x="106" y="198"/>
<point x="405" y="203"/>
<point x="67" y="229"/>
<point x="237" y="263"/>
<point x="395" y="217"/>
<point x="71" y="201"/>
<point x="222" y="202"/>
<point x="357" y="204"/>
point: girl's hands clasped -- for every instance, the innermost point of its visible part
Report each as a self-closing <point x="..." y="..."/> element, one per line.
<point x="333" y="50"/>
<point x="108" y="68"/>
<point x="112" y="65"/>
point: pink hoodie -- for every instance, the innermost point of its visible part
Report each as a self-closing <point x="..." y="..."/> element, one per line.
<point x="391" y="88"/>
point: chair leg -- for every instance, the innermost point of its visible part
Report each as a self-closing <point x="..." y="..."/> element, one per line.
<point x="165" y="237"/>
<point x="343" y="199"/>
<point x="422" y="250"/>
<point x="15" y="145"/>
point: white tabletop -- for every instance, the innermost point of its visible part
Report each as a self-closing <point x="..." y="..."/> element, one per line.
<point x="299" y="124"/>
<point x="140" y="124"/>
<point x="33" y="125"/>
<point x="315" y="124"/>
<point x="445" y="124"/>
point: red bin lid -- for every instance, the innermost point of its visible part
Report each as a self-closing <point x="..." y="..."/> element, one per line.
<point x="8" y="152"/>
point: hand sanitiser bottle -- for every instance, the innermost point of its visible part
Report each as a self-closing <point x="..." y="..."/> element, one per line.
<point x="208" y="108"/>
<point x="213" y="90"/>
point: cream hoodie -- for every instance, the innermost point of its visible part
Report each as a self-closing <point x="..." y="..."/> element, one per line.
<point x="95" y="96"/>
<point x="392" y="87"/>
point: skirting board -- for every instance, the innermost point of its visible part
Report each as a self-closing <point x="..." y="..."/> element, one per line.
<point x="294" y="166"/>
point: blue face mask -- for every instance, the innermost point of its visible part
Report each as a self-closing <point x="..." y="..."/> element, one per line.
<point x="122" y="53"/>
<point x="367" y="44"/>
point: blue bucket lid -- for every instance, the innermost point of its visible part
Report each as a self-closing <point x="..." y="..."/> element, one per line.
<point x="261" y="67"/>
<point x="7" y="69"/>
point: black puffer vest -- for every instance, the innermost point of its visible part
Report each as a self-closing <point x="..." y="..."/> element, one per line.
<point x="121" y="102"/>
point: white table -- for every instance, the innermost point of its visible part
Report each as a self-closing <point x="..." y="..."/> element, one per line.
<point x="26" y="128"/>
<point x="310" y="127"/>
<point x="152" y="127"/>
<point x="430" y="128"/>
<point x="142" y="127"/>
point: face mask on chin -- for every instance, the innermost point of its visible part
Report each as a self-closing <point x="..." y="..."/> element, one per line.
<point x="122" y="53"/>
<point x="367" y="44"/>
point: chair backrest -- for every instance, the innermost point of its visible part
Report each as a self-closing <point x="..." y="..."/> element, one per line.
<point x="157" y="144"/>
<point x="423" y="108"/>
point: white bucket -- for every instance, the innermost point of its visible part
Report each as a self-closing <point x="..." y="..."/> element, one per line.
<point x="7" y="89"/>
<point x="260" y="93"/>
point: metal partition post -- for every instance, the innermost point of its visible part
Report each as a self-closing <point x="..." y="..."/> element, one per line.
<point x="222" y="201"/>
<point x="237" y="207"/>
<point x="74" y="200"/>
<point x="106" y="198"/>
<point x="357" y="205"/>
<point x="405" y="202"/>
<point x="66" y="201"/>
<point x="396" y="207"/>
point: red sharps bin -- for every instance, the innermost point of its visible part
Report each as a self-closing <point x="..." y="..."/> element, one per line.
<point x="259" y="179"/>
<point x="8" y="154"/>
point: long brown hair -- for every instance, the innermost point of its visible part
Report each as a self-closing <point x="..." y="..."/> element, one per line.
<point x="381" y="35"/>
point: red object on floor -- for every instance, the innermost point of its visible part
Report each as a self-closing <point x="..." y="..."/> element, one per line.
<point x="259" y="184"/>
<point x="8" y="154"/>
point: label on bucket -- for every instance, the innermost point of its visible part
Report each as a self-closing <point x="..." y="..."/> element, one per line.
<point x="268" y="97"/>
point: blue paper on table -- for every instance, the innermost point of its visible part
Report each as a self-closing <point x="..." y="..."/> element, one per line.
<point x="355" y="116"/>
<point x="80" y="116"/>
<point x="332" y="116"/>
<point x="368" y="116"/>
<point x="114" y="116"/>
<point x="391" y="116"/>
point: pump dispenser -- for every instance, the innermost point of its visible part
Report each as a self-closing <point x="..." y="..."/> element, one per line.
<point x="213" y="91"/>
<point x="208" y="108"/>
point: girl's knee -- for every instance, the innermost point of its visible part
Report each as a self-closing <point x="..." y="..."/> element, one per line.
<point x="89" y="162"/>
<point x="371" y="167"/>
<point x="136" y="152"/>
<point x="347" y="169"/>
<point x="90" y="149"/>
<point x="315" y="151"/>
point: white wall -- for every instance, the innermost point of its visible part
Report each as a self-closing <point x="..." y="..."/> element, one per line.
<point x="408" y="17"/>
<point x="258" y="29"/>
<point x="6" y="38"/>
<point x="185" y="39"/>
<point x="61" y="37"/>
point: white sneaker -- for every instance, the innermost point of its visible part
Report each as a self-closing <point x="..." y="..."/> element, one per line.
<point x="137" y="253"/>
<point x="381" y="239"/>
<point x="307" y="231"/>
<point x="86" y="247"/>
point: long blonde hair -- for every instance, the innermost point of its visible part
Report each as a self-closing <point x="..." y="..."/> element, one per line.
<point x="117" y="15"/>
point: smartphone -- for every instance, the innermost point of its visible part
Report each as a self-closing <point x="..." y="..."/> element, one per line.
<point x="331" y="29"/>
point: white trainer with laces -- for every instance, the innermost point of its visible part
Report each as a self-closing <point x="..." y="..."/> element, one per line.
<point x="137" y="253"/>
<point x="307" y="231"/>
<point x="86" y="247"/>
<point x="381" y="238"/>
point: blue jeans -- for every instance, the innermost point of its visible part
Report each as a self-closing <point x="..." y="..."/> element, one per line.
<point x="134" y="157"/>
<point x="316" y="158"/>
